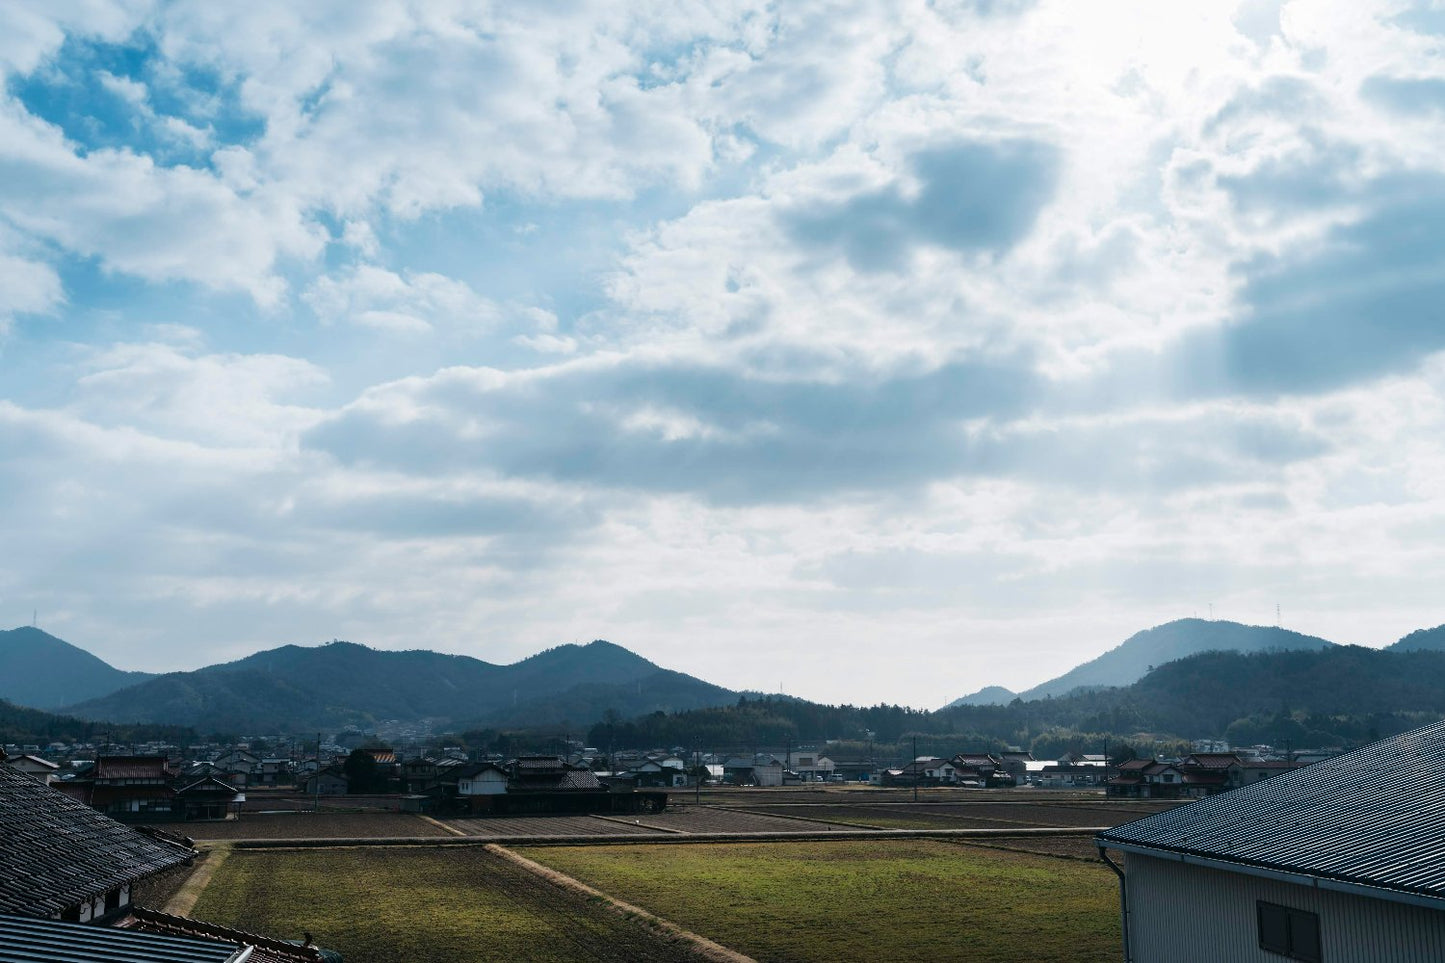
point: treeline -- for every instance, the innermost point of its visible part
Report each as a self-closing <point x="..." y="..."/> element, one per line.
<point x="21" y="726"/>
<point x="759" y="721"/>
<point x="1333" y="698"/>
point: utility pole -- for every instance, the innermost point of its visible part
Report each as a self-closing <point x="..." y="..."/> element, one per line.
<point x="915" y="769"/>
<point x="316" y="801"/>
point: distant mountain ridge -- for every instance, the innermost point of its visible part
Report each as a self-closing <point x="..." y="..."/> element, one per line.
<point x="1131" y="660"/>
<point x="42" y="672"/>
<point x="293" y="688"/>
<point x="989" y="695"/>
<point x="1421" y="640"/>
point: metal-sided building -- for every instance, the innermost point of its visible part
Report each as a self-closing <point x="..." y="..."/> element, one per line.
<point x="1340" y="862"/>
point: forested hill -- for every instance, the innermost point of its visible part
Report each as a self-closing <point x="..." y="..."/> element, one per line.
<point x="41" y="671"/>
<point x="1431" y="640"/>
<point x="299" y="688"/>
<point x="20" y="725"/>
<point x="1337" y="696"/>
<point x="1131" y="659"/>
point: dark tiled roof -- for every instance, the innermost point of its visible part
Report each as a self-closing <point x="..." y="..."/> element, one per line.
<point x="1213" y="760"/>
<point x="24" y="939"/>
<point x="210" y="785"/>
<point x="1373" y="817"/>
<point x="265" y="949"/>
<point x="539" y="764"/>
<point x="550" y="782"/>
<point x="131" y="767"/>
<point x="56" y="852"/>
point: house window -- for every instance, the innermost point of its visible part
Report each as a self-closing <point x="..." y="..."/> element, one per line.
<point x="1289" y="932"/>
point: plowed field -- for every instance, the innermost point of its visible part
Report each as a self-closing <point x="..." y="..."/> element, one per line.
<point x="503" y="827"/>
<point x="975" y="815"/>
<point x="315" y="826"/>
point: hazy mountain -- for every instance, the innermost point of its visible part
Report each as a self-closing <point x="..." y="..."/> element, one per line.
<point x="1421" y="640"/>
<point x="992" y="695"/>
<point x="41" y="671"/>
<point x="1131" y="660"/>
<point x="299" y="687"/>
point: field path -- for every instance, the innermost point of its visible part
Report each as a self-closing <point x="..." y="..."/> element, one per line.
<point x="184" y="901"/>
<point x="438" y="823"/>
<point x="701" y="945"/>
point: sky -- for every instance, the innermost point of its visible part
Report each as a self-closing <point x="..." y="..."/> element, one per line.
<point x="864" y="352"/>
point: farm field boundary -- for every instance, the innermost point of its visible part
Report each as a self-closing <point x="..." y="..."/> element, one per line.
<point x="704" y="947"/>
<point x="658" y="838"/>
<point x="184" y="899"/>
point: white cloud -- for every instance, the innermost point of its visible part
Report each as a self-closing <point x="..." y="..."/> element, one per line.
<point x="733" y="332"/>
<point x="220" y="401"/>
<point x="417" y="302"/>
<point x="155" y="222"/>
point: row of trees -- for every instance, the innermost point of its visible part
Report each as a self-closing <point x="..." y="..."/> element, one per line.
<point x="21" y="725"/>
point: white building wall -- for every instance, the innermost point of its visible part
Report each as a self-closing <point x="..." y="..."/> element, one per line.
<point x="1180" y="913"/>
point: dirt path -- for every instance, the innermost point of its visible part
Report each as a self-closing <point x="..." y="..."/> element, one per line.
<point x="703" y="947"/>
<point x="185" y="898"/>
<point x="441" y="825"/>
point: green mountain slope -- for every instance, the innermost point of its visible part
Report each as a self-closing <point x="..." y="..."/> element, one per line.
<point x="1421" y="640"/>
<point x="989" y="695"/>
<point x="41" y="671"/>
<point x="297" y="688"/>
<point x="21" y="725"/>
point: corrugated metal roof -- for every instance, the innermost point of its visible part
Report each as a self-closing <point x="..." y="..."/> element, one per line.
<point x="1372" y="817"/>
<point x="56" y="852"/>
<point x="24" y="940"/>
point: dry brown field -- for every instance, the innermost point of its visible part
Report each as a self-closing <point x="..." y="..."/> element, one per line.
<point x="306" y="825"/>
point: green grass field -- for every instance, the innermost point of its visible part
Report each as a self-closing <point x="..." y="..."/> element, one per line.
<point x="864" y="900"/>
<point x="420" y="906"/>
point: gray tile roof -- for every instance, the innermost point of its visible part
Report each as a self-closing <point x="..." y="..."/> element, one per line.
<point x="1373" y="817"/>
<point x="24" y="940"/>
<point x="56" y="852"/>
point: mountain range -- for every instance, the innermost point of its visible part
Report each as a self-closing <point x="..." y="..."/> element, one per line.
<point x="298" y="688"/>
<point x="303" y="688"/>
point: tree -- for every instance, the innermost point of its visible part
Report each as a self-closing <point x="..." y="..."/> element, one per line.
<point x="361" y="774"/>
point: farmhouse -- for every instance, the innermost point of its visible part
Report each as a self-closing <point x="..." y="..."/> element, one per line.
<point x="538" y="785"/>
<point x="1339" y="861"/>
<point x="330" y="781"/>
<point x="758" y="770"/>
<point x="127" y="787"/>
<point x="42" y="769"/>
<point x="481" y="779"/>
<point x="208" y="798"/>
<point x="59" y="858"/>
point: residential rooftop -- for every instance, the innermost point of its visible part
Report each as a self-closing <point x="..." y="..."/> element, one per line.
<point x="1374" y="817"/>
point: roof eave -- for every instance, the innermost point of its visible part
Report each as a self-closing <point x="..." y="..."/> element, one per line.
<point x="1298" y="878"/>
